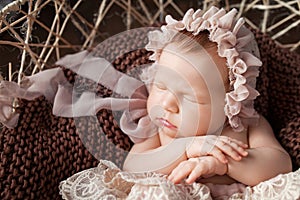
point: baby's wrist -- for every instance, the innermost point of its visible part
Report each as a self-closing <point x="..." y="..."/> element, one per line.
<point x="188" y="145"/>
<point x="221" y="168"/>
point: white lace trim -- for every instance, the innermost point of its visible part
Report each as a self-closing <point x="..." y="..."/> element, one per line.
<point x="108" y="182"/>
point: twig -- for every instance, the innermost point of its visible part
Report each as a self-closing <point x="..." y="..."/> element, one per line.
<point x="50" y="34"/>
<point x="146" y="11"/>
<point x="242" y="7"/>
<point x="280" y="33"/>
<point x="161" y="10"/>
<point x="28" y="35"/>
<point x="291" y="47"/>
<point x="158" y="13"/>
<point x="288" y="6"/>
<point x="18" y="45"/>
<point x="128" y="24"/>
<point x="281" y="22"/>
<point x="101" y="14"/>
<point x="177" y="8"/>
<point x="9" y="71"/>
<point x="22" y="18"/>
<point x="251" y="24"/>
<point x="48" y="30"/>
<point x="264" y="7"/>
<point x="265" y="19"/>
<point x="60" y="32"/>
<point x="13" y="6"/>
<point x="142" y="20"/>
<point x="295" y="46"/>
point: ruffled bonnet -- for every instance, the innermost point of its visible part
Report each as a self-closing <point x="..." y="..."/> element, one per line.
<point x="235" y="42"/>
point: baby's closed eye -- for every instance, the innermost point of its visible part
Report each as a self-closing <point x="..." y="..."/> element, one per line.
<point x="190" y="98"/>
<point x="160" y="86"/>
<point x="193" y="99"/>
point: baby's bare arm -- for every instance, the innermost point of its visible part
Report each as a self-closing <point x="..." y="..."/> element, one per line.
<point x="163" y="156"/>
<point x="265" y="160"/>
<point x="151" y="156"/>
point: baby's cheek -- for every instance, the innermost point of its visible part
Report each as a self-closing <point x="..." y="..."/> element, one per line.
<point x="153" y="108"/>
<point x="202" y="120"/>
<point x="150" y="108"/>
<point x="150" y="101"/>
<point x="190" y="120"/>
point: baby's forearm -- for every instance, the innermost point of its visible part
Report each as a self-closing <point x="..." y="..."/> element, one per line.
<point x="162" y="159"/>
<point x="261" y="164"/>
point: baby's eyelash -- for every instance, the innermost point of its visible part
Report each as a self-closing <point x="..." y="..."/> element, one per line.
<point x="189" y="98"/>
<point x="160" y="86"/>
<point x="193" y="100"/>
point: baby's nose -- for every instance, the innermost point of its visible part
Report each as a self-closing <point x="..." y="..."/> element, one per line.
<point x="170" y="103"/>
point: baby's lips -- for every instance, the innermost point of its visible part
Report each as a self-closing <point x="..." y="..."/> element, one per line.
<point x="165" y="123"/>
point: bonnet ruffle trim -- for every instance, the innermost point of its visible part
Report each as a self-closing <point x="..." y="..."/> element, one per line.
<point x="235" y="42"/>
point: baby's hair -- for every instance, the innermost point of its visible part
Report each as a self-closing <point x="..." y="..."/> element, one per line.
<point x="188" y="42"/>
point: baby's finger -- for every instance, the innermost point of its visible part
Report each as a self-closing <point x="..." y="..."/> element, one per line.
<point x="230" y="140"/>
<point x="237" y="145"/>
<point x="228" y="149"/>
<point x="217" y="153"/>
<point x="238" y="142"/>
<point x="196" y="173"/>
<point x="238" y="149"/>
<point x="180" y="172"/>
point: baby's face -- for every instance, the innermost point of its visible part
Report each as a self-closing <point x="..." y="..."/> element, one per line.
<point x="187" y="96"/>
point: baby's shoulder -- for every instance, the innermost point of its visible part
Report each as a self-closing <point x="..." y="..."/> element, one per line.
<point x="229" y="132"/>
<point x="261" y="134"/>
<point x="260" y="127"/>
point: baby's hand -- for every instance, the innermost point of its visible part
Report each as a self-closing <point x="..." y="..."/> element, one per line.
<point x="217" y="146"/>
<point x="194" y="168"/>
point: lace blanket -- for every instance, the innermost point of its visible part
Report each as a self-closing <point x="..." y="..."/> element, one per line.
<point x="107" y="181"/>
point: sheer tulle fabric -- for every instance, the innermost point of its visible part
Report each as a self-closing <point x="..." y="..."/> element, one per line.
<point x="132" y="94"/>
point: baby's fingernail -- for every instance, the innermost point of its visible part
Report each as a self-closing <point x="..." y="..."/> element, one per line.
<point x="245" y="153"/>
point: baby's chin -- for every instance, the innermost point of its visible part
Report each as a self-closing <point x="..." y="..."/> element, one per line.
<point x="170" y="133"/>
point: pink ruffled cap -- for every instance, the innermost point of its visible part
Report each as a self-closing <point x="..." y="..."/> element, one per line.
<point x="235" y="42"/>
